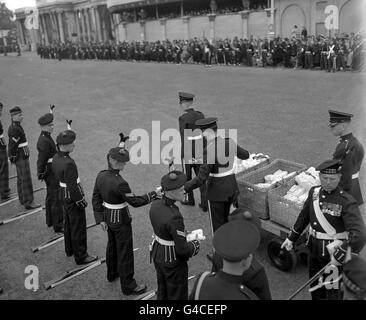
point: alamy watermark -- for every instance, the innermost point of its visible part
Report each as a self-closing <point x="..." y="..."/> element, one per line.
<point x="31" y="281"/>
<point x="162" y="145"/>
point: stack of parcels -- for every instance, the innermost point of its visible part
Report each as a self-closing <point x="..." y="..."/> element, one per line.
<point x="271" y="179"/>
<point x="298" y="193"/>
<point x="253" y="160"/>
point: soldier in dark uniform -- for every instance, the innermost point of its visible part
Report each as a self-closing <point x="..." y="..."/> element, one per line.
<point x="187" y="122"/>
<point x="217" y="170"/>
<point x="111" y="197"/>
<point x="46" y="150"/>
<point x="170" y="249"/>
<point x="350" y="151"/>
<point x="354" y="279"/>
<point x="235" y="242"/>
<point x="324" y="55"/>
<point x="4" y="166"/>
<point x="19" y="155"/>
<point x="255" y="277"/>
<point x="265" y="48"/>
<point x="73" y="199"/>
<point x="336" y="228"/>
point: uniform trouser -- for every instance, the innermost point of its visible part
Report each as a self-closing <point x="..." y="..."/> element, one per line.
<point x="331" y="63"/>
<point x="319" y="258"/>
<point x="75" y="231"/>
<point x="54" y="212"/>
<point x="323" y="61"/>
<point x="340" y="61"/>
<point x="119" y="257"/>
<point x="188" y="171"/>
<point x="24" y="182"/>
<point x="4" y="174"/>
<point x="308" y="61"/>
<point x="172" y="281"/>
<point x="219" y="212"/>
<point x="264" y="59"/>
<point x="220" y="57"/>
<point x="207" y="58"/>
<point x="249" y="59"/>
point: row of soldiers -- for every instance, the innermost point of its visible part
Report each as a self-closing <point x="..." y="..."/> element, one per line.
<point x="239" y="275"/>
<point x="327" y="54"/>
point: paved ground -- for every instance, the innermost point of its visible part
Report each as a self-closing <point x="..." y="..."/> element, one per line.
<point x="282" y="113"/>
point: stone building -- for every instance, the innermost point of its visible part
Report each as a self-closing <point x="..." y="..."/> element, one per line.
<point x="150" y="20"/>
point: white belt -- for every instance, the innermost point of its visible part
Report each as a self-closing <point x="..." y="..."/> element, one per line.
<point x="325" y="236"/>
<point x="24" y="144"/>
<point x="163" y="242"/>
<point x="307" y="51"/>
<point x="194" y="137"/>
<point x="115" y="206"/>
<point x="64" y="184"/>
<point x="49" y="160"/>
<point x="356" y="175"/>
<point x="223" y="174"/>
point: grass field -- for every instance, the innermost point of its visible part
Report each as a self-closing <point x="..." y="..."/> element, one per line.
<point x="282" y="113"/>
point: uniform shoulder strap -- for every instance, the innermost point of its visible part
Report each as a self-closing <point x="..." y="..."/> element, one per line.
<point x="245" y="290"/>
<point x="199" y="284"/>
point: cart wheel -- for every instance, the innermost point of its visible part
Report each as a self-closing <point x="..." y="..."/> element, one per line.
<point x="281" y="258"/>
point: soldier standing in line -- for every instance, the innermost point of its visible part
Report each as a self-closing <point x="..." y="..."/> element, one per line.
<point x="217" y="170"/>
<point x="4" y="165"/>
<point x="187" y="122"/>
<point x="19" y="155"/>
<point x="170" y="249"/>
<point x="46" y="150"/>
<point x="73" y="199"/>
<point x="111" y="197"/>
<point x="349" y="151"/>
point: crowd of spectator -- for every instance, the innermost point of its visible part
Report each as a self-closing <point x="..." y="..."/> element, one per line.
<point x="142" y="14"/>
<point x="313" y="52"/>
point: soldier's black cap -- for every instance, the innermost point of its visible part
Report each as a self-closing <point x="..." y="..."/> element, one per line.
<point x="15" y="110"/>
<point x="185" y="96"/>
<point x="235" y="240"/>
<point x="206" y="123"/>
<point x="354" y="276"/>
<point x="45" y="119"/>
<point x="119" y="154"/>
<point x="338" y="117"/>
<point x="66" y="137"/>
<point x="173" y="180"/>
<point x="332" y="166"/>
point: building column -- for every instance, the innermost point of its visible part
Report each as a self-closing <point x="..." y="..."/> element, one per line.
<point x="94" y="23"/>
<point x="55" y="32"/>
<point x="78" y="27"/>
<point x="143" y="30"/>
<point x="44" y="29"/>
<point x="163" y="28"/>
<point x="88" y="24"/>
<point x="245" y="24"/>
<point x="83" y="27"/>
<point x="211" y="19"/>
<point x="21" y="34"/>
<point x="124" y="25"/>
<point x="186" y="27"/>
<point x="271" y="21"/>
<point x="61" y="26"/>
<point x="98" y="25"/>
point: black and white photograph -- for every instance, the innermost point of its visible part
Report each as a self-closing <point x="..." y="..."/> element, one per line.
<point x="185" y="150"/>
